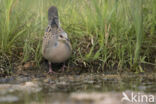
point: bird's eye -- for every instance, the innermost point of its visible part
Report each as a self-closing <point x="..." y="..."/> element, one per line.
<point x="61" y="36"/>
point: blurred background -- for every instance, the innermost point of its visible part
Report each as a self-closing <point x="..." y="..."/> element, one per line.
<point x="112" y="35"/>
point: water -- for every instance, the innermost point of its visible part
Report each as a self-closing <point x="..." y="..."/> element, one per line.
<point x="40" y="88"/>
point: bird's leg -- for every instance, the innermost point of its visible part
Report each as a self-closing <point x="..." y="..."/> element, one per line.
<point x="50" y="68"/>
<point x="63" y="67"/>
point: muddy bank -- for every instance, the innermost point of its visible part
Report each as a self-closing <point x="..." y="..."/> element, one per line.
<point x="37" y="87"/>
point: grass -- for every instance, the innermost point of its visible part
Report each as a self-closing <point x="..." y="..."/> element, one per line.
<point x="106" y="34"/>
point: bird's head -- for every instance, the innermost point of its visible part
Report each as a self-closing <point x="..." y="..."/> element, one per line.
<point x="63" y="37"/>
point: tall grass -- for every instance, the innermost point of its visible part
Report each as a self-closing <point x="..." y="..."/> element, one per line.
<point x="113" y="33"/>
<point x="138" y="23"/>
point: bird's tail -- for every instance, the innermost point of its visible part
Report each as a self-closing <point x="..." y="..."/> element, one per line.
<point x="53" y="16"/>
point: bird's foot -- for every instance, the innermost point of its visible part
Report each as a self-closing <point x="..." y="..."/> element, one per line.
<point x="50" y="69"/>
<point x="63" y="67"/>
<point x="51" y="72"/>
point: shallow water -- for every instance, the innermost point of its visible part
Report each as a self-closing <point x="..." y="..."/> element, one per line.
<point x="41" y="88"/>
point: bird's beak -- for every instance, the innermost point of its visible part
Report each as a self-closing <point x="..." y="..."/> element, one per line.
<point x="67" y="39"/>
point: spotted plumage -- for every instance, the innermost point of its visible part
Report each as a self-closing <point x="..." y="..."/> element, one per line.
<point x="56" y="47"/>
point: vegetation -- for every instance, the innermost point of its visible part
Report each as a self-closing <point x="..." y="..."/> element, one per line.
<point x="105" y="34"/>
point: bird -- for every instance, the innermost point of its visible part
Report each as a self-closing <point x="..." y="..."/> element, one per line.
<point x="56" y="46"/>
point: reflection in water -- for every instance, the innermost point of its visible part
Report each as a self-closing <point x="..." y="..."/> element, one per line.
<point x="37" y="88"/>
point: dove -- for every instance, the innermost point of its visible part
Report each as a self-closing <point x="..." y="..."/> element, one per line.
<point x="56" y="47"/>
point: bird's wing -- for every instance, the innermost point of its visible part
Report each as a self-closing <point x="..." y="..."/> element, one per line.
<point x="48" y="39"/>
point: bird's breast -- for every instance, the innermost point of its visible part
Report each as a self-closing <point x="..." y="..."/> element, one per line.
<point x="59" y="53"/>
